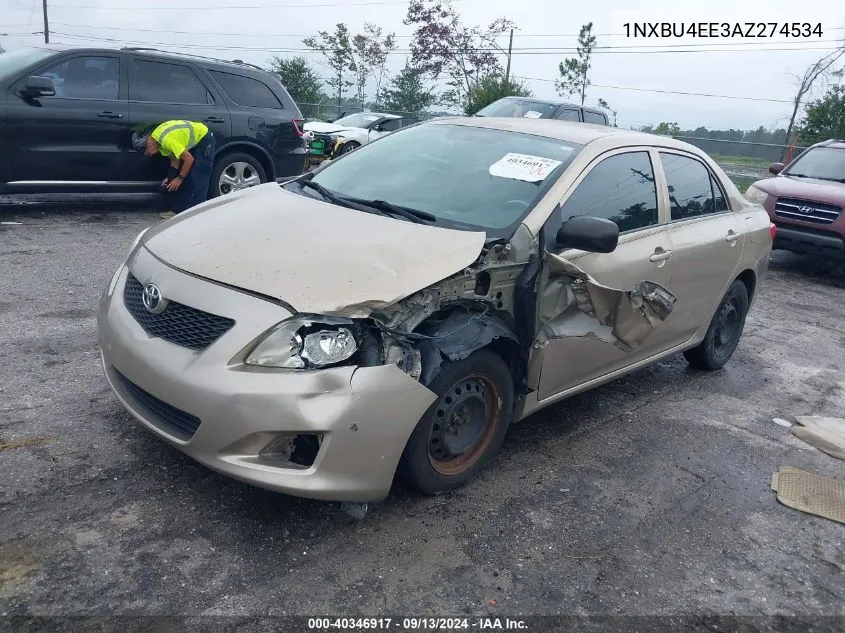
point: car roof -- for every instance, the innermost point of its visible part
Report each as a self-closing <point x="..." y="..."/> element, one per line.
<point x="223" y="63"/>
<point x="569" y="131"/>
<point x="836" y="143"/>
<point x="554" y="102"/>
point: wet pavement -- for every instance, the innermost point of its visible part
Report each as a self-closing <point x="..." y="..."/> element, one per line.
<point x="646" y="496"/>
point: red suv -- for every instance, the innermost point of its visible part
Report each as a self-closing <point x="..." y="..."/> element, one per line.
<point x="805" y="200"/>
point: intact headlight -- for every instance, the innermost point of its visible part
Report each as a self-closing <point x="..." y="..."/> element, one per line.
<point x="301" y="343"/>
<point x="755" y="195"/>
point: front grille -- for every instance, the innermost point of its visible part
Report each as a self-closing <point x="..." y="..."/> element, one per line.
<point x="172" y="420"/>
<point x="806" y="211"/>
<point x="179" y="324"/>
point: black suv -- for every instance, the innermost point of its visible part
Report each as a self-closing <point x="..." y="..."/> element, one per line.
<point x="543" y="109"/>
<point x="67" y="117"/>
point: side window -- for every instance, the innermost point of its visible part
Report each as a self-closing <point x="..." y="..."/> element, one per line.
<point x="86" y="78"/>
<point x="620" y="188"/>
<point x="246" y="91"/>
<point x="408" y="121"/>
<point x="594" y="117"/>
<point x="159" y="82"/>
<point x="721" y="203"/>
<point x="690" y="186"/>
<point x="390" y="125"/>
<point x="568" y="115"/>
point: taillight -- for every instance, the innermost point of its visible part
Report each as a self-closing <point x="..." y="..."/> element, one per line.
<point x="773" y="229"/>
<point x="297" y="125"/>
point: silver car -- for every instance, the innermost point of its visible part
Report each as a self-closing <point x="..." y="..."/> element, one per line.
<point x="395" y="310"/>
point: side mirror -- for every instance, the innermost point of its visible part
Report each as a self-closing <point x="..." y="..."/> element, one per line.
<point x="39" y="87"/>
<point x="587" y="233"/>
<point x="776" y="168"/>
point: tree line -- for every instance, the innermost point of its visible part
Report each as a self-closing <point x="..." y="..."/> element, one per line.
<point x="465" y="59"/>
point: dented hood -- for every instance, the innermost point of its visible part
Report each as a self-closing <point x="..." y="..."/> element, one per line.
<point x="315" y="256"/>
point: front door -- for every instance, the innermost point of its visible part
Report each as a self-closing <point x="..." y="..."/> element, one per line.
<point x="80" y="135"/>
<point x="707" y="240"/>
<point x="165" y="91"/>
<point x="573" y="347"/>
<point x="383" y="128"/>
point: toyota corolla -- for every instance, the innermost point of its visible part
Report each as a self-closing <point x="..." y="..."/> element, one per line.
<point x="395" y="310"/>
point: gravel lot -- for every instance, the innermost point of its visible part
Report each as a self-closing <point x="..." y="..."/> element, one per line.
<point x="647" y="496"/>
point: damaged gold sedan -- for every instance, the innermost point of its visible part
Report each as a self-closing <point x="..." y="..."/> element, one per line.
<point x="395" y="310"/>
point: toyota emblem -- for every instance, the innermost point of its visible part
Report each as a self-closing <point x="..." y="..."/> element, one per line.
<point x="152" y="299"/>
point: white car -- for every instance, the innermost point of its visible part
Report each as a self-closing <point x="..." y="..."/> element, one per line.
<point x="355" y="130"/>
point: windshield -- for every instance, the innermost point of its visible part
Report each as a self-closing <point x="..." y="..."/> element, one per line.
<point x="824" y="163"/>
<point x="358" y="120"/>
<point x="12" y="62"/>
<point x="466" y="177"/>
<point x="519" y="108"/>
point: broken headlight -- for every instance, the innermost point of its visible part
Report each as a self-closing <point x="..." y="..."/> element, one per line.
<point x="304" y="343"/>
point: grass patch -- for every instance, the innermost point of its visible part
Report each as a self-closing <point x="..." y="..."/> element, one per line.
<point x="762" y="163"/>
<point x="743" y="183"/>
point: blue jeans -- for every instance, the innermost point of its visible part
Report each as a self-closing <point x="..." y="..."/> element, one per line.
<point x="194" y="189"/>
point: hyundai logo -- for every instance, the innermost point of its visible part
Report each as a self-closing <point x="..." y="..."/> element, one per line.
<point x="152" y="299"/>
<point x="806" y="210"/>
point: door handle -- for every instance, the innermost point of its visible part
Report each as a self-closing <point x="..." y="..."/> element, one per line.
<point x="214" y="119"/>
<point x="661" y="256"/>
<point x="109" y="115"/>
<point x="732" y="237"/>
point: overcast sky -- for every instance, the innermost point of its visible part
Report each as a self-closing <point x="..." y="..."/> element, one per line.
<point x="265" y="26"/>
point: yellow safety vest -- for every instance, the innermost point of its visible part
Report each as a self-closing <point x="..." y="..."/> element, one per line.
<point x="174" y="137"/>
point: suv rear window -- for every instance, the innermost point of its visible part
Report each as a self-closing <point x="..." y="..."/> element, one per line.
<point x="246" y="91"/>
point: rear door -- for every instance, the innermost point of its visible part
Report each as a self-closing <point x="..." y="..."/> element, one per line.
<point x="161" y="91"/>
<point x="708" y="239"/>
<point x="619" y="186"/>
<point x="78" y="136"/>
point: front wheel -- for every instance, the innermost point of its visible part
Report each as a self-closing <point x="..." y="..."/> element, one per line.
<point x="347" y="147"/>
<point x="724" y="332"/>
<point x="462" y="431"/>
<point x="234" y="172"/>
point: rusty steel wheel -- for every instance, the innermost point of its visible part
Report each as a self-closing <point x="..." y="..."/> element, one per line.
<point x="464" y="428"/>
<point x="464" y="425"/>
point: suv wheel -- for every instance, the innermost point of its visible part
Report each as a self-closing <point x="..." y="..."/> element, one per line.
<point x="234" y="172"/>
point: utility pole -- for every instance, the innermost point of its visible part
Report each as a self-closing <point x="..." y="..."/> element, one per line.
<point x="510" y="48"/>
<point x="46" y="23"/>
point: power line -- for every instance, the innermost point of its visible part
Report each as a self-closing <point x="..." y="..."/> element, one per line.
<point x="239" y="6"/>
<point x="671" y="92"/>
<point x="517" y="51"/>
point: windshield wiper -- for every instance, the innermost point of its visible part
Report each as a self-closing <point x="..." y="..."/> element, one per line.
<point x="414" y="215"/>
<point x="339" y="200"/>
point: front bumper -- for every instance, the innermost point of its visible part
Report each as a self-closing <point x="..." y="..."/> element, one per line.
<point x="363" y="415"/>
<point x="799" y="239"/>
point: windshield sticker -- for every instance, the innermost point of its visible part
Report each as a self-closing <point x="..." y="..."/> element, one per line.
<point x="531" y="114"/>
<point x="523" y="167"/>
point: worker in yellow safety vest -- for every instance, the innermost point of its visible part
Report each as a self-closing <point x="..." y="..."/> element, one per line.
<point x="190" y="148"/>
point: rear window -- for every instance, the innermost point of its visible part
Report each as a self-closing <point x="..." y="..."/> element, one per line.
<point x="519" y="108"/>
<point x="246" y="91"/>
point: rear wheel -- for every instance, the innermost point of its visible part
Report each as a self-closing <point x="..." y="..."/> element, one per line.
<point x="462" y="431"/>
<point x="234" y="172"/>
<point x="724" y="332"/>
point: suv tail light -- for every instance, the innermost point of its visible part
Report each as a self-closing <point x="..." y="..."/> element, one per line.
<point x="297" y="125"/>
<point x="773" y="229"/>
